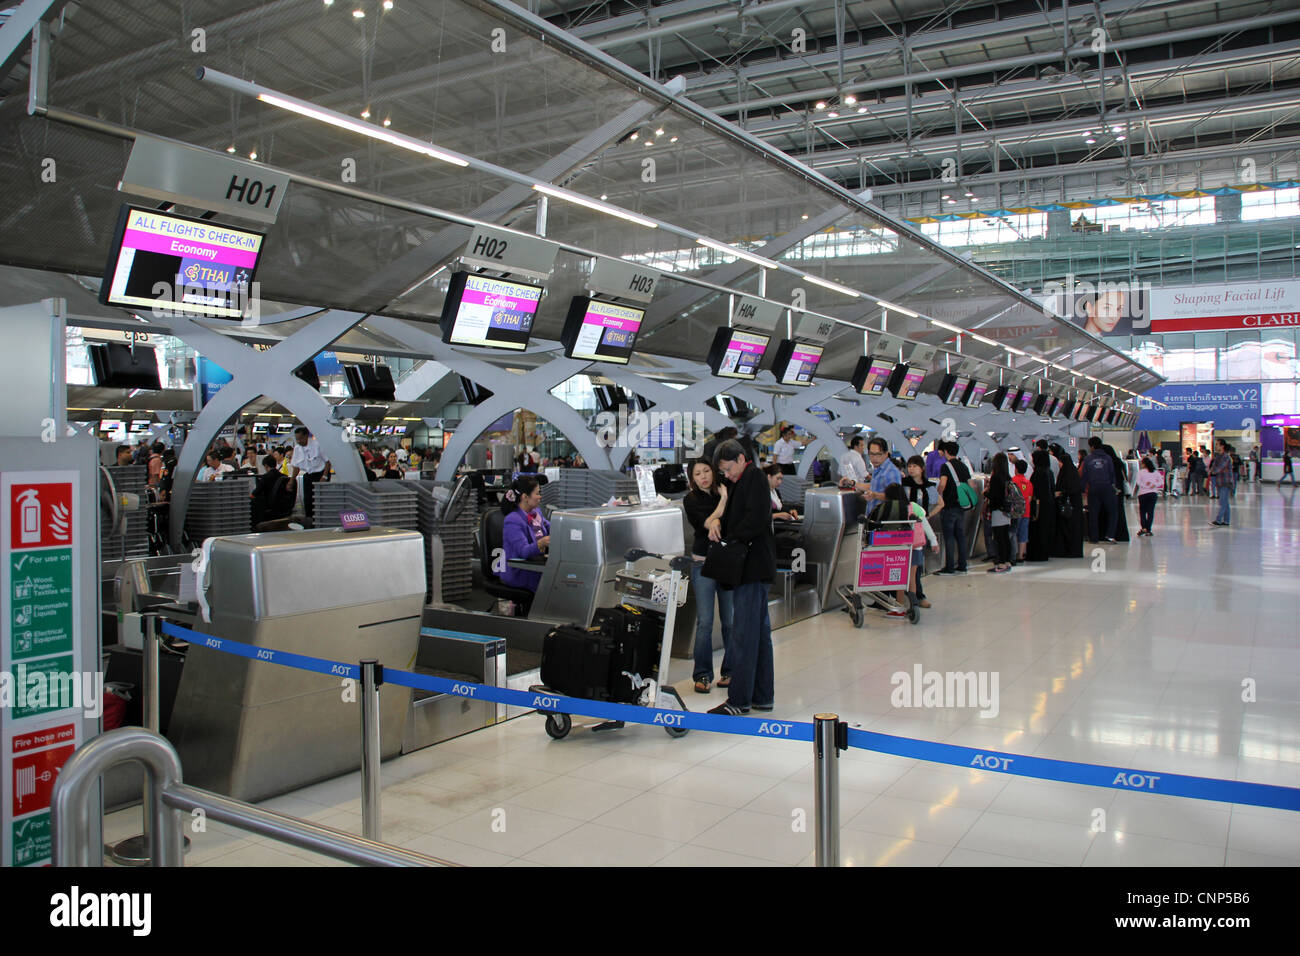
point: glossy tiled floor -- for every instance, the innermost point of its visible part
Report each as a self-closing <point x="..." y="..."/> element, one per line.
<point x="1135" y="657"/>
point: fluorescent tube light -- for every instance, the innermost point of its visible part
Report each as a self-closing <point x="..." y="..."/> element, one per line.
<point x="897" y="308"/>
<point x="595" y="204"/>
<point x="833" y="286"/>
<point x="733" y="251"/>
<point x="365" y="129"/>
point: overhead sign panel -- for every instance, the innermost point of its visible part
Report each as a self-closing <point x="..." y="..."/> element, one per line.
<point x="196" y="177"/>
<point x="812" y="328"/>
<point x="623" y="280"/>
<point x="511" y="252"/>
<point x="755" y="313"/>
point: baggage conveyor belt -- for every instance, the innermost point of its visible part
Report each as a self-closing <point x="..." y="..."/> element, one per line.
<point x="475" y="648"/>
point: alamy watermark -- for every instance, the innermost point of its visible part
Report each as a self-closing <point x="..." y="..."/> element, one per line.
<point x="936" y="689"/>
<point x="683" y="430"/>
<point x="37" y="688"/>
<point x="209" y="291"/>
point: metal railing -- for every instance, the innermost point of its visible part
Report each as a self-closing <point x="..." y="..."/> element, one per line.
<point x="167" y="796"/>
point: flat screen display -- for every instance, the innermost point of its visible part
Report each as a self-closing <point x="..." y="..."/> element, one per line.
<point x="975" y="394"/>
<point x="736" y="353"/>
<point x="953" y="389"/>
<point x="490" y="313"/>
<point x="177" y="264"/>
<point x="1099" y="414"/>
<point x="1025" y="400"/>
<point x="1065" y="407"/>
<point x="906" y="382"/>
<point x="118" y="365"/>
<point x="600" y="331"/>
<point x="796" y="363"/>
<point x="872" y="375"/>
<point x="1005" y="398"/>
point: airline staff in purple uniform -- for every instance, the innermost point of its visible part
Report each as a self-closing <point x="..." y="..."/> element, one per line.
<point x="525" y="533"/>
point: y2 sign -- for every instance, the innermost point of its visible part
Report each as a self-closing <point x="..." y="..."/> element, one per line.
<point x="1228" y="405"/>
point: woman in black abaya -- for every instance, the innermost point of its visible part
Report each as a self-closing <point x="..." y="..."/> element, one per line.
<point x="1042" y="524"/>
<point x="1069" y="508"/>
<point x="1121" y="493"/>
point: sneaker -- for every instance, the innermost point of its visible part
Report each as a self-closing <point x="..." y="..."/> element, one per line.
<point x="763" y="707"/>
<point x="1002" y="570"/>
<point x="947" y="571"/>
<point x="923" y="603"/>
<point x="962" y="570"/>
<point x="729" y="710"/>
<point x="1111" y="541"/>
<point x="895" y="614"/>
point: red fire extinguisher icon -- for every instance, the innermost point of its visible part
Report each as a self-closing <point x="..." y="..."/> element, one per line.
<point x="29" y="510"/>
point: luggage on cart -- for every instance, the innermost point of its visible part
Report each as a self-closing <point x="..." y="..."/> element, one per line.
<point x="639" y="633"/>
<point x="578" y="661"/>
<point x="620" y="658"/>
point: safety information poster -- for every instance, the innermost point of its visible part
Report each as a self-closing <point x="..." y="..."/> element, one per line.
<point x="42" y="686"/>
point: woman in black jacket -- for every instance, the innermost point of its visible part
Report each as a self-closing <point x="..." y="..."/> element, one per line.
<point x="997" y="511"/>
<point x="703" y="505"/>
<point x="747" y="522"/>
<point x="1042" y="520"/>
<point x="1069" y="507"/>
<point x="917" y="487"/>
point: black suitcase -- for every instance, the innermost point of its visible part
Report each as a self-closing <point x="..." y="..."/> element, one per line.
<point x="577" y="661"/>
<point x="638" y="634"/>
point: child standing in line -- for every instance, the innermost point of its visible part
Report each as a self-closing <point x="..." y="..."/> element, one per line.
<point x="1021" y="479"/>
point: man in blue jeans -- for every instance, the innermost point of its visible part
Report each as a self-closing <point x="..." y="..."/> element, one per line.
<point x="747" y="519"/>
<point x="952" y="517"/>
<point x="1221" y="479"/>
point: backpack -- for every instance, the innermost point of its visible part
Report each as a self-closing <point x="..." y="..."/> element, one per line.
<point x="1015" y="502"/>
<point x="966" y="496"/>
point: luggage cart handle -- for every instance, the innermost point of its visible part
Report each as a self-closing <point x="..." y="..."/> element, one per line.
<point x="680" y="562"/>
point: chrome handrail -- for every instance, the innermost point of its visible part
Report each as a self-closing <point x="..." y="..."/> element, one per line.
<point x="167" y="795"/>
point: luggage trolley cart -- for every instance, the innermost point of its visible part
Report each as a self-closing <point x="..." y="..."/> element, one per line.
<point x="884" y="560"/>
<point x="654" y="590"/>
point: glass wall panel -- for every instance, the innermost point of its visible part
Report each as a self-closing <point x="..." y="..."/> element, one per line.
<point x="1278" y="354"/>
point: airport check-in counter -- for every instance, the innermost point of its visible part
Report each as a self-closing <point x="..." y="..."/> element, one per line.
<point x="587" y="546"/>
<point x="829" y="533"/>
<point x="251" y="729"/>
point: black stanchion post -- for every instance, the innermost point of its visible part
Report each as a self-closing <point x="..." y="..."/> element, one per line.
<point x="829" y="738"/>
<point x="372" y="675"/>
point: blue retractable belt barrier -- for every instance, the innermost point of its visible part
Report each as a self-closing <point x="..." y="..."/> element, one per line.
<point x="1043" y="768"/>
<point x="1092" y="775"/>
<point x="300" y="661"/>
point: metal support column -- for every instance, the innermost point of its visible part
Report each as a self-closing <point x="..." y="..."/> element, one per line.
<point x="372" y="675"/>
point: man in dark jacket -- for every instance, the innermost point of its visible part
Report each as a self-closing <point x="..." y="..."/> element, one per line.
<point x="1098" y="475"/>
<point x="747" y="519"/>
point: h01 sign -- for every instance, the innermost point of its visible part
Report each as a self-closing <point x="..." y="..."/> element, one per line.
<point x="206" y="180"/>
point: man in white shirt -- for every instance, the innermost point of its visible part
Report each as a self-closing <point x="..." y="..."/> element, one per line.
<point x="853" y="467"/>
<point x="308" y="461"/>
<point x="784" y="449"/>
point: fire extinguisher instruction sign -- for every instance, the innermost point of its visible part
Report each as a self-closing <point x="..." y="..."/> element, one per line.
<point x="39" y="652"/>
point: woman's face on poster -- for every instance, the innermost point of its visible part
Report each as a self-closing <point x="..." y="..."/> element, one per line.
<point x="1103" y="311"/>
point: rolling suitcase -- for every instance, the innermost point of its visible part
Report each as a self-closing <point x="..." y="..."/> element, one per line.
<point x="636" y="636"/>
<point x="577" y="661"/>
